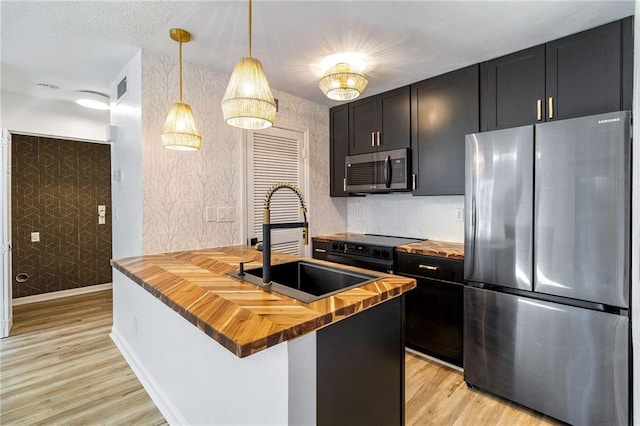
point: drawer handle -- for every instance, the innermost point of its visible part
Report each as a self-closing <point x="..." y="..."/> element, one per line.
<point x="429" y="267"/>
<point x="320" y="250"/>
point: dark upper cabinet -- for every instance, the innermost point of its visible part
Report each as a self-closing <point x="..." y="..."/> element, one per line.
<point x="581" y="74"/>
<point x="444" y="109"/>
<point x="513" y="89"/>
<point x="380" y="122"/>
<point x="338" y="148"/>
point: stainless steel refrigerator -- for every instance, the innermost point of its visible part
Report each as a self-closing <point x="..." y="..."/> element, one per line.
<point x="547" y="236"/>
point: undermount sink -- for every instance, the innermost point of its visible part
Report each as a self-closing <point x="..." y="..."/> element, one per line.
<point x="306" y="281"/>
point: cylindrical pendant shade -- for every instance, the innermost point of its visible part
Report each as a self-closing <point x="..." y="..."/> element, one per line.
<point x="342" y="83"/>
<point x="180" y="131"/>
<point x="248" y="102"/>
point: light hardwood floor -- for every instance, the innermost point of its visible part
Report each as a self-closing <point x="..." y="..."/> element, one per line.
<point x="59" y="366"/>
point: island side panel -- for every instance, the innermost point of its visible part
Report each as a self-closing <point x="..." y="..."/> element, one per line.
<point x="191" y="377"/>
<point x="302" y="380"/>
<point x="360" y="368"/>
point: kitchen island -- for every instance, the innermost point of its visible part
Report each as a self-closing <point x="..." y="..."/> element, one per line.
<point x="211" y="349"/>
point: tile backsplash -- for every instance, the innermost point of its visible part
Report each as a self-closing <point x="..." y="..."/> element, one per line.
<point x="404" y="215"/>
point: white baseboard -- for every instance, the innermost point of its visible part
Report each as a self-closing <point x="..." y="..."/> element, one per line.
<point x="436" y="360"/>
<point x="58" y="294"/>
<point x="159" y="398"/>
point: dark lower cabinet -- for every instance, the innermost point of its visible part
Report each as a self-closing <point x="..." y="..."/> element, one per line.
<point x="360" y="368"/>
<point x="434" y="315"/>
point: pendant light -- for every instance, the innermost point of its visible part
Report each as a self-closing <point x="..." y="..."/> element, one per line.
<point x="342" y="82"/>
<point x="248" y="102"/>
<point x="180" y="131"/>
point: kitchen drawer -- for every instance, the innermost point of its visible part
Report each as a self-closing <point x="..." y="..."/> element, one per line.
<point x="434" y="267"/>
<point x="320" y="249"/>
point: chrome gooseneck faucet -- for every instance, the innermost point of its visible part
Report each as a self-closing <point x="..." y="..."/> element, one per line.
<point x="267" y="226"/>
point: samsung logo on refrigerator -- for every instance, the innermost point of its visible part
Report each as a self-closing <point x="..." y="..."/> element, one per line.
<point x="609" y="120"/>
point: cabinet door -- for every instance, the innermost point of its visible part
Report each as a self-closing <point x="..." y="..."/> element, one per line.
<point x="445" y="109"/>
<point x="363" y="123"/>
<point x="584" y="73"/>
<point x="434" y="319"/>
<point x="513" y="90"/>
<point x="339" y="147"/>
<point x="394" y="119"/>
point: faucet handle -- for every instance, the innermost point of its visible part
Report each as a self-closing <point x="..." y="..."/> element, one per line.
<point x="241" y="267"/>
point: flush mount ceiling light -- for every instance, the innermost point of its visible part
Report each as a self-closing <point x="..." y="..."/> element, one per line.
<point x="248" y="102"/>
<point x="93" y="100"/>
<point x="180" y="131"/>
<point x="342" y="82"/>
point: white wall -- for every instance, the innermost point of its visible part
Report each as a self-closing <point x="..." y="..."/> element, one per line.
<point x="64" y="120"/>
<point x="179" y="186"/>
<point x="404" y="215"/>
<point x="126" y="160"/>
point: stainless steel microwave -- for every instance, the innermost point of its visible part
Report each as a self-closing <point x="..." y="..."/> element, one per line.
<point x="382" y="171"/>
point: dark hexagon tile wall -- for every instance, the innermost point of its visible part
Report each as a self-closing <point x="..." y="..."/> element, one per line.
<point x="56" y="187"/>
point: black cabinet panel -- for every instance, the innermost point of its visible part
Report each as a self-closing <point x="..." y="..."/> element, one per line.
<point x="627" y="63"/>
<point x="381" y="122"/>
<point x="435" y="309"/>
<point x="363" y="123"/>
<point x="584" y="73"/>
<point x="434" y="319"/>
<point x="360" y="368"/>
<point x="339" y="148"/>
<point x="444" y="109"/>
<point x="513" y="89"/>
<point x="394" y="110"/>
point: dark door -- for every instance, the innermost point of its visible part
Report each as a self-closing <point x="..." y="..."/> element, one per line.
<point x="363" y="124"/>
<point x="583" y="73"/>
<point x="339" y="148"/>
<point x="445" y="109"/>
<point x="394" y="119"/>
<point x="513" y="89"/>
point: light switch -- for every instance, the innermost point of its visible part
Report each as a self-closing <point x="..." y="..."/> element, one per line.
<point x="211" y="213"/>
<point x="102" y="210"/>
<point x="102" y="220"/>
<point x="459" y="214"/>
<point x="35" y="237"/>
<point x="226" y="214"/>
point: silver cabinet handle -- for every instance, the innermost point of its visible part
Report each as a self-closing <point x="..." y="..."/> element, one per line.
<point x="320" y="250"/>
<point x="539" y="109"/>
<point x="378" y="134"/>
<point x="429" y="267"/>
<point x="373" y="140"/>
<point x="413" y="186"/>
<point x="550" y="106"/>
<point x="344" y="184"/>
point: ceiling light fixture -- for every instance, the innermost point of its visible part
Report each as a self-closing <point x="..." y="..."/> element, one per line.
<point x="342" y="82"/>
<point x="248" y="102"/>
<point x="93" y="100"/>
<point x="180" y="130"/>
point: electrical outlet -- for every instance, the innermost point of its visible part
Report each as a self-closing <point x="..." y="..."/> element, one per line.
<point x="459" y="214"/>
<point x="35" y="237"/>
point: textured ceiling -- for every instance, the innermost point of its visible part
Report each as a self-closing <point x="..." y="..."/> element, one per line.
<point x="83" y="45"/>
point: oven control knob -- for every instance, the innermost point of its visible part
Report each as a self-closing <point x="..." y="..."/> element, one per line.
<point x="385" y="254"/>
<point x="376" y="252"/>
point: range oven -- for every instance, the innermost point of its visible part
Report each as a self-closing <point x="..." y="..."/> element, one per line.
<point x="369" y="251"/>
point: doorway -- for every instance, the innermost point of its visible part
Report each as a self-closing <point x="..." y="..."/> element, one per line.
<point x="276" y="155"/>
<point x="60" y="217"/>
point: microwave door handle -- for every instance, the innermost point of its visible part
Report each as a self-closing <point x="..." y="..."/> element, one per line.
<point x="387" y="171"/>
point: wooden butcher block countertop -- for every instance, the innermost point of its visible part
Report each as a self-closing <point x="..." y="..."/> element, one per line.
<point x="241" y="316"/>
<point x="435" y="248"/>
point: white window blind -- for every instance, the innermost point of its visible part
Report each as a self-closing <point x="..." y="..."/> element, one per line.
<point x="275" y="155"/>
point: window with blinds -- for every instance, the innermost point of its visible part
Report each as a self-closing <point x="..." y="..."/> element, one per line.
<point x="275" y="155"/>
